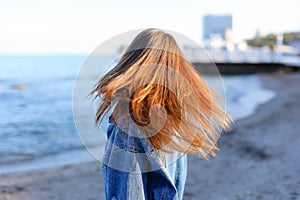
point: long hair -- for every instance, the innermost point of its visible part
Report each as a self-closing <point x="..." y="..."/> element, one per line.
<point x="154" y="87"/>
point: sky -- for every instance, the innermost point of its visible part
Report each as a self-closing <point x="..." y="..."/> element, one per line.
<point x="79" y="26"/>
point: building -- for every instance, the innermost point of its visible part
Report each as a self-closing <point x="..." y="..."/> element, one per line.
<point x="217" y="25"/>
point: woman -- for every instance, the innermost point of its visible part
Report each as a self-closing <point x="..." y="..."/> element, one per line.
<point x="161" y="109"/>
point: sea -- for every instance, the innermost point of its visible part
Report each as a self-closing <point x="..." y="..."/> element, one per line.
<point x="37" y="127"/>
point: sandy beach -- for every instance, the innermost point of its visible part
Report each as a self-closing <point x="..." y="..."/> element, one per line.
<point x="258" y="159"/>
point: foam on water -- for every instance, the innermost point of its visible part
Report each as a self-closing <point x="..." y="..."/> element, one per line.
<point x="244" y="94"/>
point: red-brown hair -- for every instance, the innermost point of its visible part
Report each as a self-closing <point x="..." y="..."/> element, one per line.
<point x="154" y="86"/>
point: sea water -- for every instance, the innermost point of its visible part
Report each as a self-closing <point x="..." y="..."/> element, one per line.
<point x="37" y="122"/>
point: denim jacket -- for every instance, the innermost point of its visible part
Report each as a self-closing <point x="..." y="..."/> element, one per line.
<point x="132" y="169"/>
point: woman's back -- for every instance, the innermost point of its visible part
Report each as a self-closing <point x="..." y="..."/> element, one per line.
<point x="131" y="167"/>
<point x="161" y="110"/>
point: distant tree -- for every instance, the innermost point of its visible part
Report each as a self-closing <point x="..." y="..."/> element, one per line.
<point x="270" y="40"/>
<point x="291" y="36"/>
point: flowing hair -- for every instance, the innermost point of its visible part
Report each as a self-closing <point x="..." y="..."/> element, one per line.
<point x="155" y="88"/>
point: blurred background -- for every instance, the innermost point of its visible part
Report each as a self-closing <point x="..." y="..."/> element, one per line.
<point x="43" y="44"/>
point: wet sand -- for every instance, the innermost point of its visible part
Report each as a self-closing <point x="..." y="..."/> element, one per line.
<point x="258" y="159"/>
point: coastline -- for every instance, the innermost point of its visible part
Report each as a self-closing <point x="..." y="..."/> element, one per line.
<point x="73" y="157"/>
<point x="239" y="103"/>
<point x="250" y="164"/>
<point x="34" y="138"/>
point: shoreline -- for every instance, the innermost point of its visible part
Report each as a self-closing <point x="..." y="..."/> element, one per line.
<point x="248" y="166"/>
<point x="73" y="157"/>
<point x="245" y="107"/>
